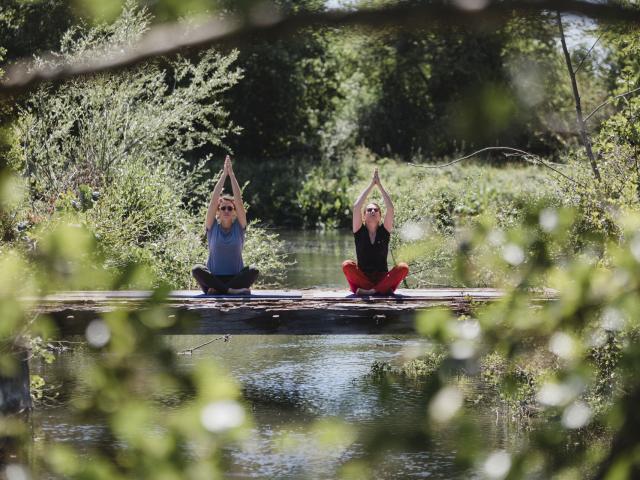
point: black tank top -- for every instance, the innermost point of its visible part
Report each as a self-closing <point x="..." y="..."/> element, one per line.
<point x="372" y="257"/>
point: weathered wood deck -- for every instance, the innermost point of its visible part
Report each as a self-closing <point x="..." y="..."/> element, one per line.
<point x="309" y="312"/>
<point x="192" y="297"/>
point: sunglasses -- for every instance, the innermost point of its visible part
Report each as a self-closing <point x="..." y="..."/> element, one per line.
<point x="373" y="210"/>
<point x="226" y="208"/>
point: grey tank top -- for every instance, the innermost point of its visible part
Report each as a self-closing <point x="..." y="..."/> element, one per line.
<point x="225" y="249"/>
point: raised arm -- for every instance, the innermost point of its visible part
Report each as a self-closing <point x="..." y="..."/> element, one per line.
<point x="388" y="206"/>
<point x="237" y="194"/>
<point x="357" y="207"/>
<point x="215" y="199"/>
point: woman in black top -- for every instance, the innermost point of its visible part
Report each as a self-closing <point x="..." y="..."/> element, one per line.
<point x="371" y="275"/>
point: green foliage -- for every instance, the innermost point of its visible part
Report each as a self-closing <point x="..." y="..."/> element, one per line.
<point x="567" y="365"/>
<point x="424" y="93"/>
<point x="422" y="84"/>
<point x="140" y="219"/>
<point x="44" y="20"/>
<point x="272" y="187"/>
<point x="516" y="382"/>
<point x="420" y="368"/>
<point x="265" y="251"/>
<point x="324" y="198"/>
<point x="284" y="99"/>
<point x="300" y="193"/>
<point x="118" y="387"/>
<point x="110" y="150"/>
<point x="79" y="132"/>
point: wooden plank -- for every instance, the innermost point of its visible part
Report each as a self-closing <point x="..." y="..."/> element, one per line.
<point x="307" y="312"/>
<point x="264" y="318"/>
<point x="189" y="296"/>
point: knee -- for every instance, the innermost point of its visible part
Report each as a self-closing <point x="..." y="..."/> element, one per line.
<point x="197" y="269"/>
<point x="253" y="272"/>
<point x="401" y="269"/>
<point x="348" y="265"/>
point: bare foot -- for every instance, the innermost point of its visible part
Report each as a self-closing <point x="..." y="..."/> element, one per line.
<point x="239" y="291"/>
<point x="362" y="291"/>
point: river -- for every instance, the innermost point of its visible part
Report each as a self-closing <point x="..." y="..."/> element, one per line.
<point x="290" y="382"/>
<point x="317" y="258"/>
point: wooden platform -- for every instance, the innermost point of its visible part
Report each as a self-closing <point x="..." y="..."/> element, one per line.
<point x="196" y="296"/>
<point x="309" y="312"/>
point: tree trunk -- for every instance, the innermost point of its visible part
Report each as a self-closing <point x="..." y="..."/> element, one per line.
<point x="576" y="96"/>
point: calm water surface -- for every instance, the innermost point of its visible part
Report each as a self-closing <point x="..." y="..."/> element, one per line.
<point x="318" y="257"/>
<point x="290" y="382"/>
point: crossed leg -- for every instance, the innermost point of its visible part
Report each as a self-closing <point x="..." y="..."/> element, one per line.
<point x="363" y="284"/>
<point x="233" y="284"/>
<point x="392" y="279"/>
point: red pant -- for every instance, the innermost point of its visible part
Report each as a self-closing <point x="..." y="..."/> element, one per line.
<point x="382" y="282"/>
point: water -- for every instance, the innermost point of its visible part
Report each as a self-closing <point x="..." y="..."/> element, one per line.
<point x="318" y="257"/>
<point x="290" y="382"/>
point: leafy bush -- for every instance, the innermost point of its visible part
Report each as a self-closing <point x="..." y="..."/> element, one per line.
<point x="82" y="130"/>
<point x="271" y="189"/>
<point x="266" y="251"/>
<point x="112" y="147"/>
<point x="324" y="199"/>
<point x="140" y="219"/>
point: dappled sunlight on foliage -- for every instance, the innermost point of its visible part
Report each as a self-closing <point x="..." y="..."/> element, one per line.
<point x="589" y="334"/>
<point x="104" y="183"/>
<point x="182" y="444"/>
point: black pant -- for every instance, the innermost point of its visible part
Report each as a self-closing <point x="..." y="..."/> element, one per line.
<point x="222" y="283"/>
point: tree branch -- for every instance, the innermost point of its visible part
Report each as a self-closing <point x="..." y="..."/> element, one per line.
<point x="608" y="101"/>
<point x="586" y="142"/>
<point x="535" y="159"/>
<point x="173" y="38"/>
<point x="575" y="72"/>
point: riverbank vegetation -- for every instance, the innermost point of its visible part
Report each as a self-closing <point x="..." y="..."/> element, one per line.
<point x="105" y="178"/>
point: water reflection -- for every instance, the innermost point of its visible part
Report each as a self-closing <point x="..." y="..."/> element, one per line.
<point x="318" y="256"/>
<point x="290" y="382"/>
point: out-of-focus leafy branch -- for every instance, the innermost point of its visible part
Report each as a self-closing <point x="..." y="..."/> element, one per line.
<point x="609" y="100"/>
<point x="265" y="21"/>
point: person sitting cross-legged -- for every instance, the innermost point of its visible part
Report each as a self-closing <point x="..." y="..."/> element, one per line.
<point x="226" y="223"/>
<point x="370" y="275"/>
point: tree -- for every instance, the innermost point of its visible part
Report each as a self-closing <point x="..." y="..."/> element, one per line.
<point x="44" y="20"/>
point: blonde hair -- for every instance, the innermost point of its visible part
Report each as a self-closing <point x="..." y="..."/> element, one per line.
<point x="227" y="198"/>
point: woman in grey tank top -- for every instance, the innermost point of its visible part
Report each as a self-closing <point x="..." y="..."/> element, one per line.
<point x="225" y="224"/>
